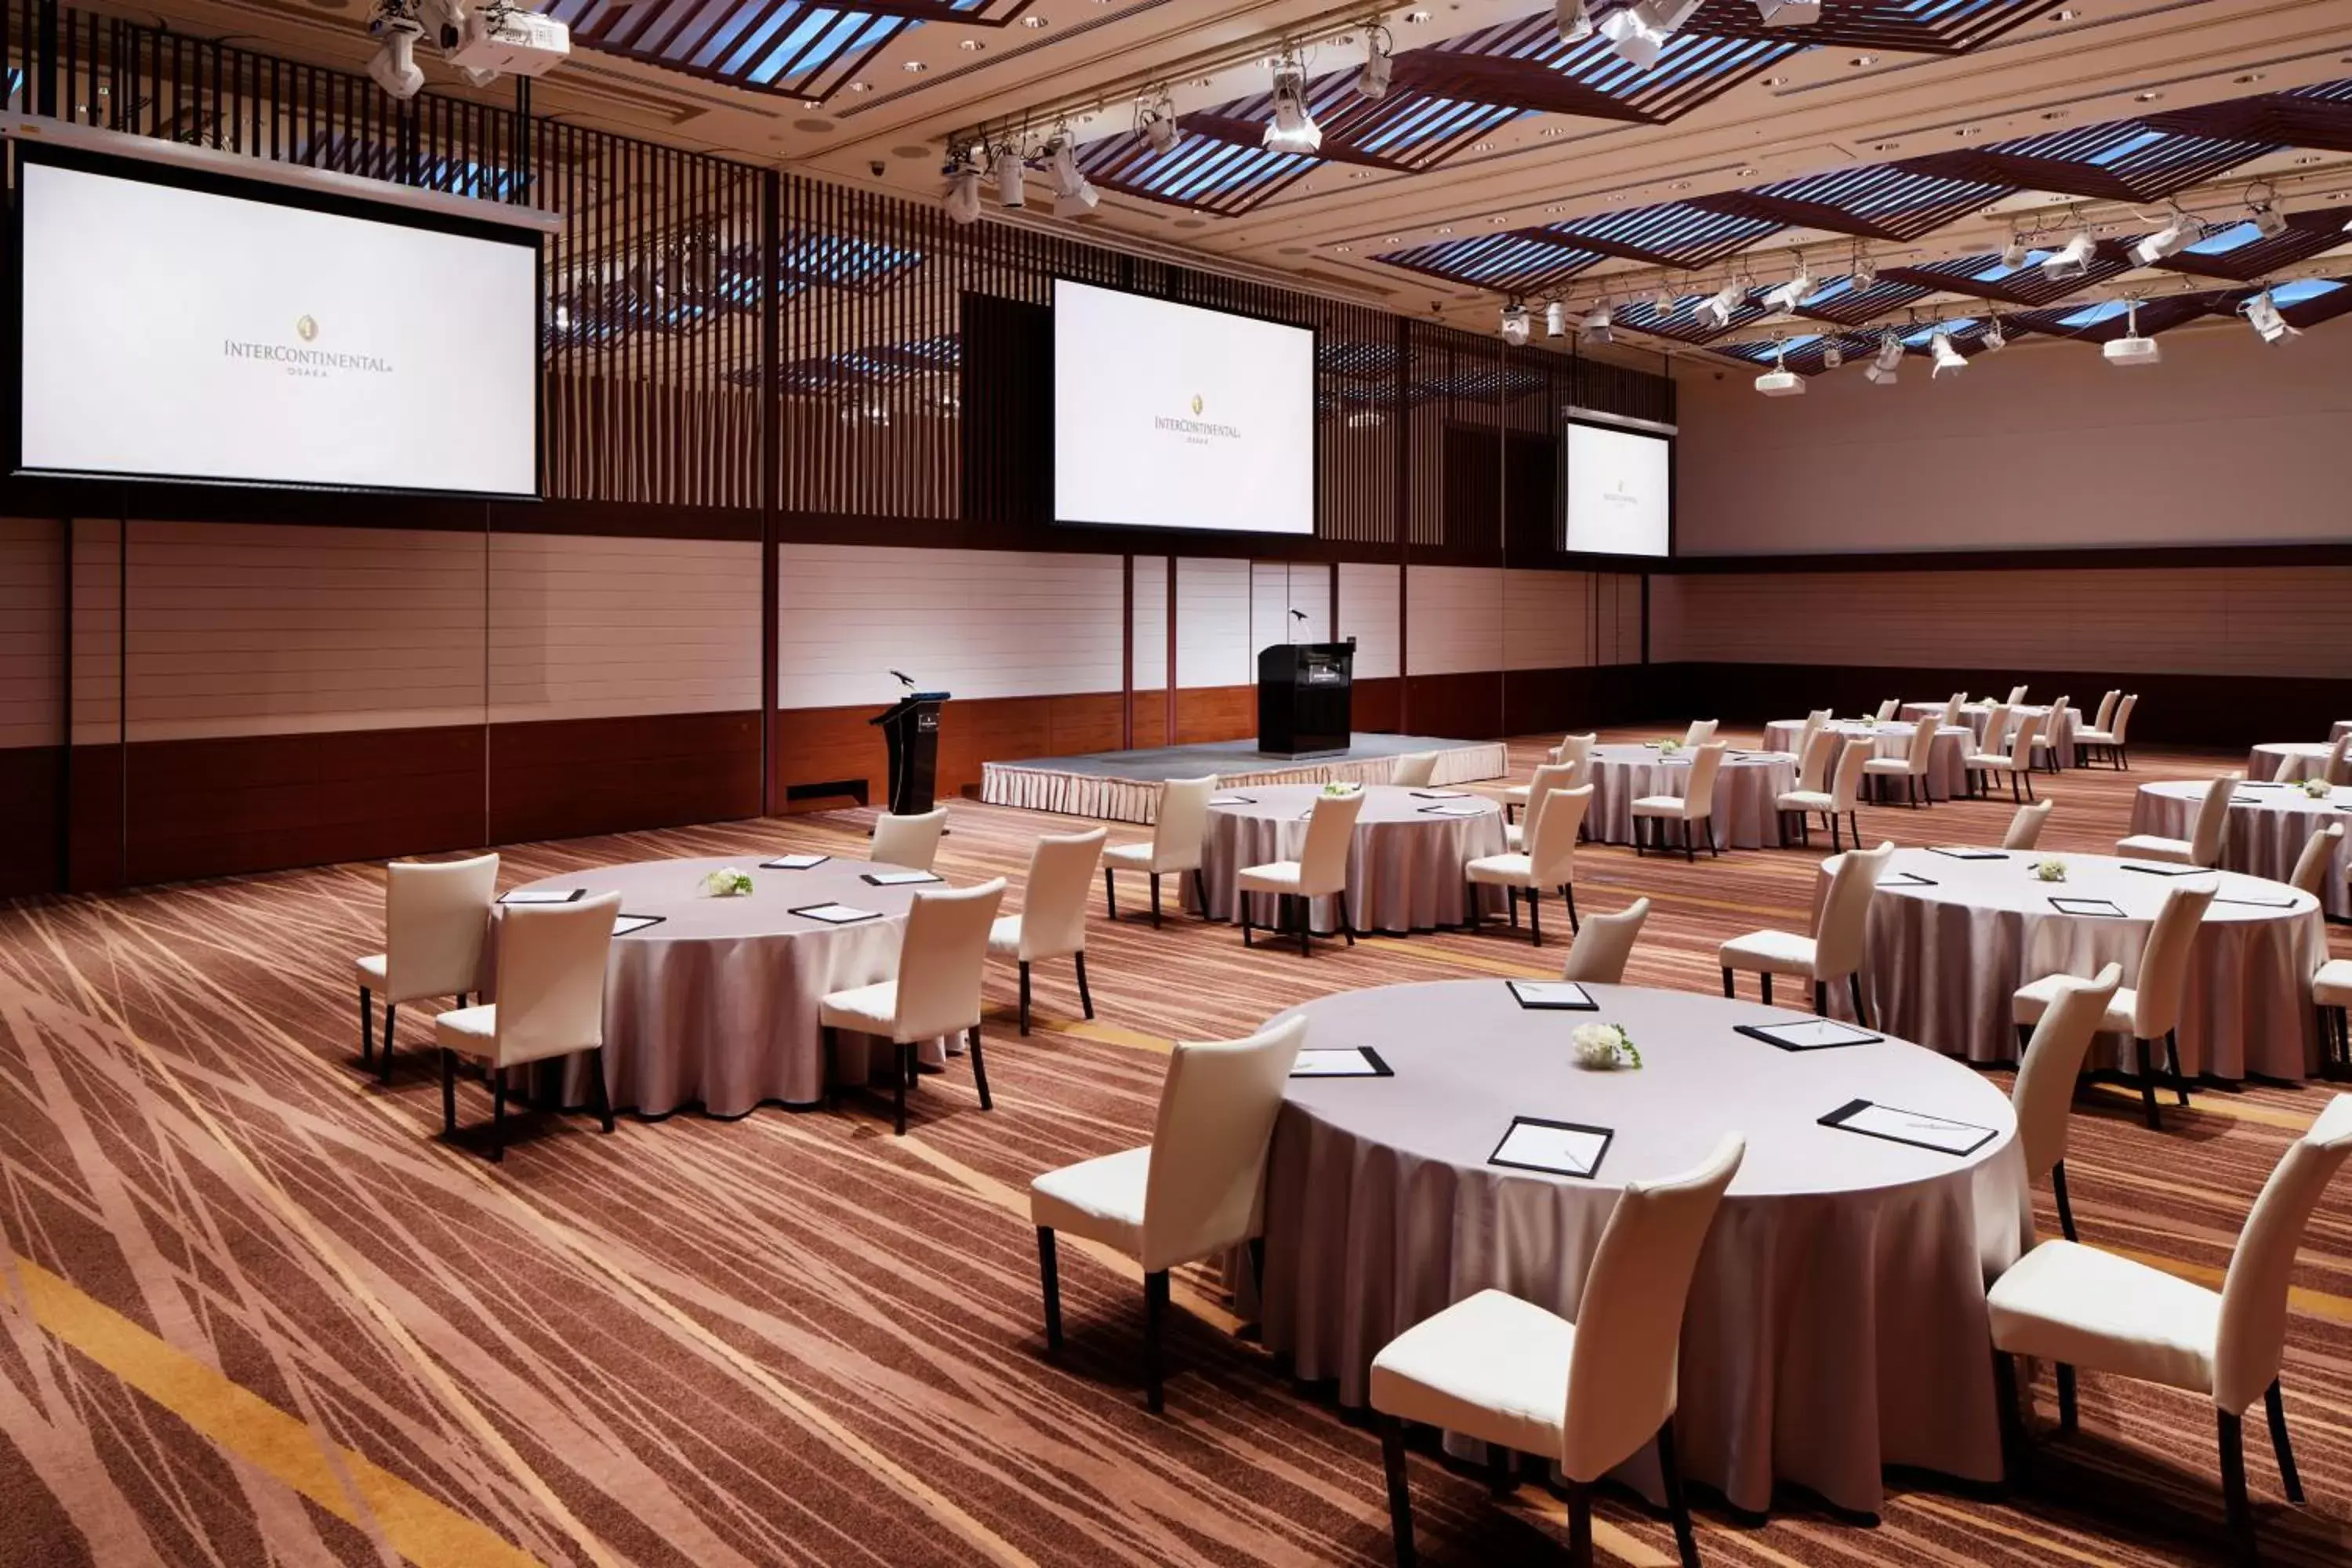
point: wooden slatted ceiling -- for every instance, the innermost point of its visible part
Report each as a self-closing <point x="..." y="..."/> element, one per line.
<point x="1879" y="201"/>
<point x="1936" y="27"/>
<point x="1524" y="261"/>
<point x="2123" y="161"/>
<point x="1986" y="277"/>
<point x="788" y="46"/>
<point x="1523" y="64"/>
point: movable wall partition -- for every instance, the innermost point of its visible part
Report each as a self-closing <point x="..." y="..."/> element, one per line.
<point x="781" y="458"/>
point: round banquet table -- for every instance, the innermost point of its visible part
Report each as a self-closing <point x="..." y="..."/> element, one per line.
<point x="1947" y="775"/>
<point x="1977" y="715"/>
<point x="1404" y="871"/>
<point x="2266" y="829"/>
<point x="2288" y="762"/>
<point x="1944" y="960"/>
<point x="1744" y="788"/>
<point x="1837" y="1318"/>
<point x="717" y="1006"/>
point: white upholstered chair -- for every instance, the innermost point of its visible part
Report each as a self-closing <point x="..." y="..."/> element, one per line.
<point x="2046" y="1072"/>
<point x="2111" y="743"/>
<point x="1319" y="872"/>
<point x="2045" y="736"/>
<point x="2337" y="768"/>
<point x="1951" y="718"/>
<point x="1549" y="779"/>
<point x="437" y="916"/>
<point x="551" y="1004"/>
<point x="1585" y="1394"/>
<point x="1573" y="748"/>
<point x="2203" y="844"/>
<point x="2100" y="720"/>
<point x="2014" y="759"/>
<point x="1604" y="943"/>
<point x="2016" y="695"/>
<point x="2331" y="995"/>
<point x="1052" y="919"/>
<point x="1839" y="800"/>
<point x="1193" y="1191"/>
<point x="2149" y="1008"/>
<point x="942" y="958"/>
<point x="2311" y="867"/>
<point x="1415" y="770"/>
<point x="1573" y="759"/>
<point x="1890" y="710"/>
<point x="2079" y="1306"/>
<point x="2025" y="825"/>
<point x="1177" y="829"/>
<point x="1911" y="767"/>
<point x="910" y="841"/>
<point x="1691" y="808"/>
<point x="1700" y="733"/>
<point x="1835" y="950"/>
<point x="1549" y="861"/>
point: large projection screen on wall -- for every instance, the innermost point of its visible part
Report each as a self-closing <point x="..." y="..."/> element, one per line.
<point x="1172" y="417"/>
<point x="1618" y="490"/>
<point x="180" y="326"/>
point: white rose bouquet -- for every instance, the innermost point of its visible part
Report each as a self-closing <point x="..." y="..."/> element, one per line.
<point x="2050" y="870"/>
<point x="1605" y="1046"/>
<point x="727" y="882"/>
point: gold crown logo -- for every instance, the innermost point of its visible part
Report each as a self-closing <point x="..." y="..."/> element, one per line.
<point x="306" y="329"/>
<point x="1197" y="404"/>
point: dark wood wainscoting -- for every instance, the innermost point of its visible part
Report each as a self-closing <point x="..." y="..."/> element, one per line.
<point x="1376" y="705"/>
<point x="1210" y="713"/>
<point x="31" y="808"/>
<point x="262" y="803"/>
<point x="565" y="777"/>
<point x="2226" y="710"/>
<point x="831" y="745"/>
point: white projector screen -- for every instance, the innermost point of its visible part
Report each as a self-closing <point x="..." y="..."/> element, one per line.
<point x="1172" y="417"/>
<point x="1619" y="492"/>
<point x="172" y="331"/>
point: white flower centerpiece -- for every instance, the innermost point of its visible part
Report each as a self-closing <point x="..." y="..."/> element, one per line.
<point x="2319" y="789"/>
<point x="2049" y="871"/>
<point x="1668" y="747"/>
<point x="1340" y="789"/>
<point x="727" y="882"/>
<point x="1604" y="1048"/>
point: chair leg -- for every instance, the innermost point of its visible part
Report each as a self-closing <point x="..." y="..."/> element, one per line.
<point x="2070" y="1414"/>
<point x="1155" y="1312"/>
<point x="2172" y="1062"/>
<point x="1677" y="1504"/>
<point x="978" y="1069"/>
<point x="367" y="1027"/>
<point x="1535" y="916"/>
<point x="2012" y="1420"/>
<point x="1306" y="925"/>
<point x="2065" y="1209"/>
<point x="1086" y="997"/>
<point x="1579" y="1525"/>
<point x="600" y="1099"/>
<point x="448" y="1094"/>
<point x="1024" y="998"/>
<point x="1155" y="900"/>
<point x="1200" y="890"/>
<point x="498" y="1114"/>
<point x="1399" y="1490"/>
<point x="1728" y="990"/>
<point x="383" y="1062"/>
<point x="1821" y="999"/>
<point x="1854" y="989"/>
<point x="1502" y="1477"/>
<point x="1049" y="1274"/>
<point x="1110" y="895"/>
<point x="1245" y="919"/>
<point x="1567" y="893"/>
<point x="1690" y="850"/>
<point x="2288" y="1480"/>
<point x="1511" y="906"/>
<point x="2147" y="1085"/>
<point x="2235" y="1504"/>
<point x="1347" y="919"/>
<point x="899" y="1091"/>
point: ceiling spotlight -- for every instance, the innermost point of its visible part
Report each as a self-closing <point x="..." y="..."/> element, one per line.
<point x="1556" y="319"/>
<point x="1993" y="338"/>
<point x="1639" y="32"/>
<point x="2013" y="254"/>
<point x="963" y="190"/>
<point x="393" y="65"/>
<point x="1781" y="381"/>
<point x="2073" y="260"/>
<point x="2179" y="232"/>
<point x="1949" y="360"/>
<point x="2131" y="348"/>
<point x="1293" y="129"/>
<point x="1157" y="121"/>
<point x="1569" y="16"/>
<point x="1788" y="12"/>
<point x="1373" y="81"/>
<point x="1865" y="270"/>
<point x="1514" y="324"/>
<point x="1788" y="295"/>
<point x="1009" y="176"/>
<point x="2269" y="222"/>
<point x="1597" y="322"/>
<point x="1832" y="356"/>
<point x="1717" y="309"/>
<point x="2262" y="315"/>
<point x="1663" y="300"/>
<point x="1885" y="370"/>
<point x="1073" y="194"/>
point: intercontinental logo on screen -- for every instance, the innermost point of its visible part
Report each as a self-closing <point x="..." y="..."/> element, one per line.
<point x="1196" y="429"/>
<point x="298" y="356"/>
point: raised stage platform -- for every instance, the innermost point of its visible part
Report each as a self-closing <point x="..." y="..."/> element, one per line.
<point x="1123" y="786"/>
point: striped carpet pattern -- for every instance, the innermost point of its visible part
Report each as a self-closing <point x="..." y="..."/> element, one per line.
<point x="253" y="1310"/>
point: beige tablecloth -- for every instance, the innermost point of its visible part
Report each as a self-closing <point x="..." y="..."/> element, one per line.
<point x="2288" y="762"/>
<point x="1837" y="1321"/>
<point x="1946" y="777"/>
<point x="1404" y="873"/>
<point x="2266" y="829"/>
<point x="1943" y="960"/>
<point x="717" y="1006"/>
<point x="1745" y="790"/>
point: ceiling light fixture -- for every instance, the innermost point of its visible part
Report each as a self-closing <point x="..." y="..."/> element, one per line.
<point x="1373" y="81"/>
<point x="1155" y="120"/>
<point x="1788" y="295"/>
<point x="393" y="65"/>
<point x="1993" y="337"/>
<point x="1073" y="194"/>
<point x="2178" y="233"/>
<point x="1717" y="309"/>
<point x="1788" y="12"/>
<point x="1293" y="129"/>
<point x="1865" y="269"/>
<point x="1833" y="355"/>
<point x="2072" y="260"/>
<point x="2262" y="197"/>
<point x="1556" y="319"/>
<point x="1886" y="369"/>
<point x="1514" y="324"/>
<point x="1949" y="360"/>
<point x="2262" y="315"/>
<point x="1639" y="32"/>
<point x="963" y="188"/>
<point x="1599" y="324"/>
<point x="1569" y="17"/>
<point x="2013" y="254"/>
<point x="1009" y="177"/>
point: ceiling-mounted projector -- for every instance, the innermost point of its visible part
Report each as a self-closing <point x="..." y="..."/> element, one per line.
<point x="520" y="43"/>
<point x="1781" y="384"/>
<point x="2133" y="350"/>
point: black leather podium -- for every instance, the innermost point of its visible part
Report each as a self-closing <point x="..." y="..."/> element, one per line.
<point x="1305" y="707"/>
<point x="910" y="727"/>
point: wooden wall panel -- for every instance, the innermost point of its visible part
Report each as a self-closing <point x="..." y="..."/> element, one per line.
<point x="1210" y="713"/>
<point x="1212" y="624"/>
<point x="31" y="632"/>
<point x="1279" y="587"/>
<point x="1368" y="611"/>
<point x="1454" y="620"/>
<point x="1463" y="705"/>
<point x="1151" y="626"/>
<point x="561" y="778"/>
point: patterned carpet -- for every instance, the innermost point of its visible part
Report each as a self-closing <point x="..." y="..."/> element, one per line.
<point x="253" y="1312"/>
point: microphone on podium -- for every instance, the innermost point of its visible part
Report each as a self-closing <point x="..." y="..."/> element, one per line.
<point x="904" y="679"/>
